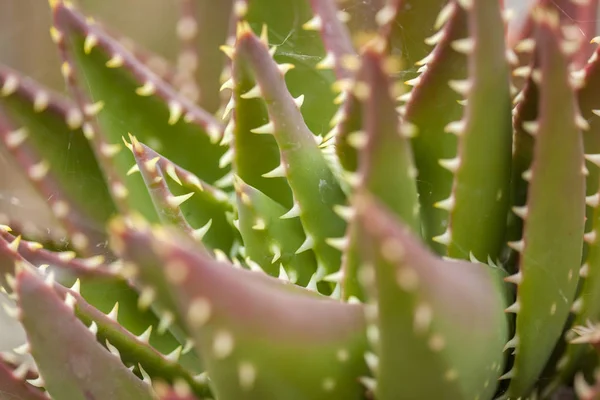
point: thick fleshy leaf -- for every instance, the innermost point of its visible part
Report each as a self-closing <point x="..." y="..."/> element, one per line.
<point x="259" y="337"/>
<point x="189" y="203"/>
<point x="303" y="49"/>
<point x="445" y="316"/>
<point x="269" y="240"/>
<point x="316" y="190"/>
<point x="525" y="116"/>
<point x="414" y="23"/>
<point x="478" y="203"/>
<point x="14" y="385"/>
<point x="386" y="166"/>
<point x="550" y="249"/>
<point x="202" y="29"/>
<point x="108" y="293"/>
<point x="431" y="143"/>
<point x="586" y="306"/>
<point x="121" y="95"/>
<point x="64" y="263"/>
<point x="336" y="37"/>
<point x="84" y="370"/>
<point x="43" y="133"/>
<point x="254" y="154"/>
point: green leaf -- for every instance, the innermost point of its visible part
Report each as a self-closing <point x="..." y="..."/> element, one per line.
<point x="481" y="167"/>
<point x="253" y="154"/>
<point x="108" y="293"/>
<point x="550" y="249"/>
<point x="203" y="28"/>
<point x="431" y="95"/>
<point x="43" y="133"/>
<point x="302" y="49"/>
<point x="415" y="21"/>
<point x="259" y="337"/>
<point x="189" y="203"/>
<point x="129" y="98"/>
<point x="13" y="386"/>
<point x="269" y="240"/>
<point x="84" y="370"/>
<point x="315" y="188"/>
<point x="385" y="158"/>
<point x="444" y="316"/>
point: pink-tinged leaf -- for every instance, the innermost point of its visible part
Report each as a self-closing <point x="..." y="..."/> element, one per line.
<point x="258" y="336"/>
<point x="445" y="316"/>
<point x="14" y="386"/>
<point x="82" y="372"/>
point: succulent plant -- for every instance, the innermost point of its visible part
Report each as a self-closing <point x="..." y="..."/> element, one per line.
<point x="388" y="199"/>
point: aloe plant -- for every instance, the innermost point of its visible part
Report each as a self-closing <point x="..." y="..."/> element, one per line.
<point x="321" y="200"/>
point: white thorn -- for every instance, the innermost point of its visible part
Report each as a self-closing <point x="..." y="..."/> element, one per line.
<point x="462" y="87"/>
<point x="145" y="336"/>
<point x="176" y="201"/>
<point x="174" y="355"/>
<point x="516" y="278"/>
<point x="114" y="313"/>
<point x="252" y="93"/>
<point x="313" y="24"/>
<point x="266" y="129"/>
<point x="293" y="212"/>
<point x="93" y="328"/>
<point x="451" y="164"/>
<point x="447" y="204"/>
<point x="517" y="246"/>
<point x="201" y="232"/>
<point x="175" y="112"/>
<point x="445" y="238"/>
<point x="278" y="172"/>
<point x="340" y="243"/>
<point x="520" y="212"/>
<point x="306" y="245"/>
<point x="514" y="308"/>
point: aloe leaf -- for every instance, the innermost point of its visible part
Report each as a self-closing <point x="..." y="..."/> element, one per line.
<point x="431" y="143"/>
<point x="15" y="386"/>
<point x="62" y="263"/>
<point x="302" y="49"/>
<point x="585" y="307"/>
<point x="526" y="114"/>
<point x="120" y="96"/>
<point x="189" y="202"/>
<point x="166" y="204"/>
<point x="327" y="20"/>
<point x="386" y="166"/>
<point x="207" y="209"/>
<point x="254" y="154"/>
<point x="83" y="371"/>
<point x="158" y="64"/>
<point x="478" y="203"/>
<point x="445" y="315"/>
<point x="549" y="254"/>
<point x="246" y="354"/>
<point x="415" y="21"/>
<point x="39" y="127"/>
<point x="270" y="241"/>
<point x="202" y="28"/>
<point x="316" y="190"/>
<point x="585" y="81"/>
<point x="101" y="287"/>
